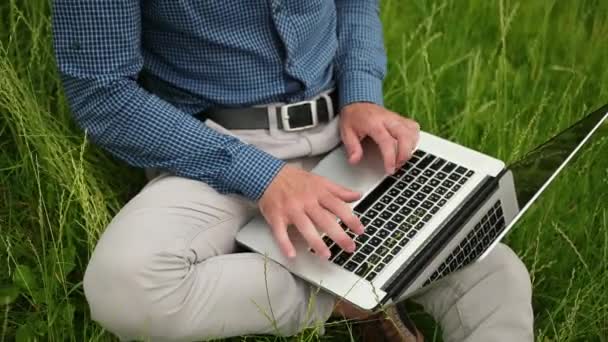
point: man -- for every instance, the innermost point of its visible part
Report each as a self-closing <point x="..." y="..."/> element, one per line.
<point x="141" y="78"/>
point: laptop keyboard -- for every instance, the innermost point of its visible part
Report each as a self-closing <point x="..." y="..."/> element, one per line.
<point x="474" y="244"/>
<point x="396" y="210"/>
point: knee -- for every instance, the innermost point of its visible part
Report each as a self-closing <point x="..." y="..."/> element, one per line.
<point x="508" y="269"/>
<point x="124" y="285"/>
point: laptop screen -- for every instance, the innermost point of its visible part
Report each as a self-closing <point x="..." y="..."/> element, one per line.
<point x="538" y="167"/>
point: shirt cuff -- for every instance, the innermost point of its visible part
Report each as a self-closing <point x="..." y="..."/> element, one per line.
<point x="252" y="171"/>
<point x="359" y="86"/>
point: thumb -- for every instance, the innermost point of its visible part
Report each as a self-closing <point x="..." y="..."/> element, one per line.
<point x="352" y="145"/>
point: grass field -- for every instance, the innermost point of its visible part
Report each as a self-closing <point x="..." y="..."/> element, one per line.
<point x="497" y="76"/>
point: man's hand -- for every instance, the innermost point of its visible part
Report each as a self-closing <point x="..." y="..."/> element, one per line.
<point x="299" y="198"/>
<point x="395" y="135"/>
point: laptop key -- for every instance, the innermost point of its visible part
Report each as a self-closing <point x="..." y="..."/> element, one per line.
<point x="370" y="230"/>
<point x="419" y="226"/>
<point x="395" y="250"/>
<point x="412" y="219"/>
<point x="379" y="267"/>
<point x="381" y="251"/>
<point x="383" y="233"/>
<point x="434" y="183"/>
<point x="387" y="259"/>
<point x="398" y="218"/>
<point x="419" y="153"/>
<point x="371" y="276"/>
<point x="441" y="190"/>
<point x="427" y="218"/>
<point x="408" y="178"/>
<point x="440" y="175"/>
<point x="350" y="266"/>
<point x="447" y="183"/>
<point x="371" y="213"/>
<point x="362" y="270"/>
<point x="373" y="259"/>
<point x="404" y="227"/>
<point x="428" y="173"/>
<point x="422" y="179"/>
<point x="393" y="192"/>
<point x="393" y="207"/>
<point x="367" y="249"/>
<point x="434" y="210"/>
<point x="434" y="198"/>
<point x="456" y="187"/>
<point x="386" y="214"/>
<point x="404" y="242"/>
<point x="400" y="200"/>
<point x="461" y="170"/>
<point x="448" y="167"/>
<point x="425" y="162"/>
<point x="412" y="233"/>
<point x="363" y="238"/>
<point x="358" y="257"/>
<point x="378" y="223"/>
<point x="420" y="196"/>
<point x="419" y="212"/>
<point x="413" y="203"/>
<point x="390" y="243"/>
<point x="427" y="204"/>
<point x="405" y="211"/>
<point x="400" y="172"/>
<point x="378" y="191"/>
<point x="334" y="250"/>
<point x="397" y="235"/>
<point x="463" y="180"/>
<point x="364" y="220"/>
<point x="414" y="186"/>
<point x="386" y="199"/>
<point x="426" y="189"/>
<point x="415" y="171"/>
<point x="375" y="241"/>
<point x="390" y="225"/>
<point x="449" y="195"/>
<point x="401" y="185"/>
<point x="470" y="173"/>
<point x="441" y="202"/>
<point x="379" y="206"/>
<point x="437" y="164"/>
<point x="454" y="177"/>
<point x="340" y="259"/>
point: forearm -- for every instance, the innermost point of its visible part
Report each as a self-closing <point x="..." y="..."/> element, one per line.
<point x="361" y="57"/>
<point x="146" y="131"/>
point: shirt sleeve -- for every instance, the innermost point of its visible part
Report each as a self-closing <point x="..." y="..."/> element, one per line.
<point x="97" y="46"/>
<point x="361" y="59"/>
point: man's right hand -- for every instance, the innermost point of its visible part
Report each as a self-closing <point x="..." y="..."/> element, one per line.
<point x="305" y="200"/>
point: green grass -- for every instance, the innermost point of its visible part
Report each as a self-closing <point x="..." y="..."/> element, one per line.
<point x="497" y="76"/>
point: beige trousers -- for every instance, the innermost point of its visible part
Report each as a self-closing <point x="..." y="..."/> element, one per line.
<point x="166" y="268"/>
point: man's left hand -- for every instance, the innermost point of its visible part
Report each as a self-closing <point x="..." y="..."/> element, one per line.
<point x="395" y="135"/>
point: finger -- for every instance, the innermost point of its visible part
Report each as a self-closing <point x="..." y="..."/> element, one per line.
<point x="327" y="222"/>
<point x="352" y="145"/>
<point x="310" y="234"/>
<point x="411" y="124"/>
<point x="340" y="209"/>
<point x="279" y="229"/>
<point x="387" y="147"/>
<point x="343" y="193"/>
<point x="415" y="127"/>
<point x="404" y="138"/>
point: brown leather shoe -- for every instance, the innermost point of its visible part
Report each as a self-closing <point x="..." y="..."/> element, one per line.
<point x="390" y="325"/>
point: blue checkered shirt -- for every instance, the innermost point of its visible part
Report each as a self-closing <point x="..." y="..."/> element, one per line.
<point x="135" y="72"/>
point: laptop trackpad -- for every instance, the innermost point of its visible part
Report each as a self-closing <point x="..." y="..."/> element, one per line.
<point x="362" y="176"/>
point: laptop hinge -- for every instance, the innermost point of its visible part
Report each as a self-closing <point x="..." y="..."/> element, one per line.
<point x="408" y="273"/>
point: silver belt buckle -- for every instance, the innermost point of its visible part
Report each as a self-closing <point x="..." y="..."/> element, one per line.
<point x="285" y="115"/>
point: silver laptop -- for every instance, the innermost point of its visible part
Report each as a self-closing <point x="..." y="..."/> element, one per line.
<point x="444" y="209"/>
